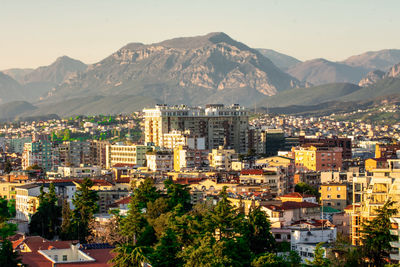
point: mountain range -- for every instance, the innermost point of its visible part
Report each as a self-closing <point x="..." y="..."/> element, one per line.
<point x="212" y="68"/>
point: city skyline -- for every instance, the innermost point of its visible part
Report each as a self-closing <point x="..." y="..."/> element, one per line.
<point x="36" y="33"/>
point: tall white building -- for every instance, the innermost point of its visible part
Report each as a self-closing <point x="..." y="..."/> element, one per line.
<point x="219" y="125"/>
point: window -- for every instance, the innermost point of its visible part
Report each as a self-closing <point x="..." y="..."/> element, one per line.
<point x="338" y="204"/>
<point x="328" y="188"/>
<point x="338" y="196"/>
<point x="328" y="196"/>
<point x="55" y="257"/>
<point x="65" y="257"/>
<point x="338" y="188"/>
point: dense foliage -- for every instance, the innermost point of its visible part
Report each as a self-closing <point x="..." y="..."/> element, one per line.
<point x="164" y="229"/>
<point x="46" y="220"/>
<point x="76" y="223"/>
<point x="8" y="258"/>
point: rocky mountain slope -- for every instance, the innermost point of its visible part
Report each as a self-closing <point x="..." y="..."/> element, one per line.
<point x="371" y="78"/>
<point x="191" y="70"/>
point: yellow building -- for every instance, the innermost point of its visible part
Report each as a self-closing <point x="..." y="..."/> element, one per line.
<point x="7" y="190"/>
<point x="334" y="195"/>
<point x="27" y="201"/>
<point x="275" y="161"/>
<point x="371" y="193"/>
<point x="375" y="163"/>
<point x="318" y="158"/>
<point x="221" y="159"/>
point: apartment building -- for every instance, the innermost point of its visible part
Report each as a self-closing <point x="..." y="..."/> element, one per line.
<point x="129" y="155"/>
<point x="221" y="159"/>
<point x="371" y="193"/>
<point x="186" y="158"/>
<point x="26" y="201"/>
<point x="318" y="158"/>
<point x="219" y="125"/>
<point x="38" y="153"/>
<point x="324" y="141"/>
<point x="160" y="161"/>
<point x="334" y="195"/>
<point x="74" y="153"/>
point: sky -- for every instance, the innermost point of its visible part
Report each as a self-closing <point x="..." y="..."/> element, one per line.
<point x="35" y="33"/>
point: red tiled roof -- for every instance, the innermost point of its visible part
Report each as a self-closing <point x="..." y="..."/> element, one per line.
<point x="295" y="195"/>
<point x="123" y="201"/>
<point x="188" y="180"/>
<point x="252" y="172"/>
<point x="36" y="243"/>
<point x="102" y="257"/>
<point x="123" y="180"/>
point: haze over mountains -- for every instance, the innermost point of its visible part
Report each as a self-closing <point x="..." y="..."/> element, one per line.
<point x="212" y="68"/>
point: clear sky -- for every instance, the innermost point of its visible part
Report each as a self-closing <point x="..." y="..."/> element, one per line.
<point x="36" y="32"/>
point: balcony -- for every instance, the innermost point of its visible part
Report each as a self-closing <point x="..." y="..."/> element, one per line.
<point x="394" y="232"/>
<point x="395" y="256"/>
<point x="395" y="244"/>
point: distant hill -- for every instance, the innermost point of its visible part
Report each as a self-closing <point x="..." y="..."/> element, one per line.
<point x="10" y="89"/>
<point x="310" y="96"/>
<point x="190" y="70"/>
<point x="80" y="106"/>
<point x="384" y="87"/>
<point x="17" y="74"/>
<point x="282" y="61"/>
<point x="322" y="71"/>
<point x="9" y="111"/>
<point x="96" y="105"/>
<point x="382" y="60"/>
<point x="55" y="73"/>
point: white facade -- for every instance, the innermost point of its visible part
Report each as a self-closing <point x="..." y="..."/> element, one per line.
<point x="160" y="162"/>
<point x="303" y="241"/>
<point x="89" y="171"/>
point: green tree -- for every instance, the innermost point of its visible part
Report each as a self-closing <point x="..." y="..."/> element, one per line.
<point x="7" y="166"/>
<point x="269" y="260"/>
<point x="144" y="193"/>
<point x="85" y="202"/>
<point x="166" y="251"/>
<point x="319" y="257"/>
<point x="257" y="232"/>
<point x="128" y="255"/>
<point x="178" y="194"/>
<point x="294" y="259"/>
<point x="67" y="232"/>
<point x="46" y="220"/>
<point x="376" y="235"/>
<point x="304" y="188"/>
<point x="7" y="256"/>
<point x="224" y="219"/>
<point x="207" y="252"/>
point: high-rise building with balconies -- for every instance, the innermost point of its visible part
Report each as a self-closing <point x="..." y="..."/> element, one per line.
<point x="218" y="124"/>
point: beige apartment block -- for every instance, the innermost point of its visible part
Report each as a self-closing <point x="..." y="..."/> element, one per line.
<point x="219" y="125"/>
